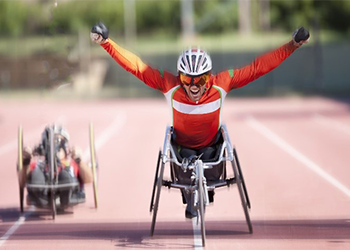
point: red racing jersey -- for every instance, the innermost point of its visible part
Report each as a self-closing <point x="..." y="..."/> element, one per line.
<point x="71" y="163"/>
<point x="196" y="123"/>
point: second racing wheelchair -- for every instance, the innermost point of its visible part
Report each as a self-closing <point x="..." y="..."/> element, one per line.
<point x="198" y="185"/>
<point x="47" y="190"/>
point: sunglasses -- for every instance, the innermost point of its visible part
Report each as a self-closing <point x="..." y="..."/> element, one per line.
<point x="194" y="80"/>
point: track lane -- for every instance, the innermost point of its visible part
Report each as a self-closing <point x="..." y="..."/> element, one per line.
<point x="296" y="210"/>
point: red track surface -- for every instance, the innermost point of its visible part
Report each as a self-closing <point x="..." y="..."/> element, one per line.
<point x="294" y="153"/>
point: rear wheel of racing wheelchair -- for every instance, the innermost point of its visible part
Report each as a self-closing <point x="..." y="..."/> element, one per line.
<point x="93" y="162"/>
<point x="20" y="165"/>
<point x="157" y="186"/>
<point x="242" y="189"/>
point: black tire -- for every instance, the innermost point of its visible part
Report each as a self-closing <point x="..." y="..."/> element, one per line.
<point x="201" y="200"/>
<point x="242" y="196"/>
<point x="21" y="198"/>
<point x="156" y="204"/>
<point x="52" y="171"/>
<point x="53" y="204"/>
<point x="155" y="181"/>
<point x="242" y="178"/>
<point x="93" y="162"/>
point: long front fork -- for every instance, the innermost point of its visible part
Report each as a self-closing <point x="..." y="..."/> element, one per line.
<point x="199" y="167"/>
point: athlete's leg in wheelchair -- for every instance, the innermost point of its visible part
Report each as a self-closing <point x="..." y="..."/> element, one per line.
<point x="38" y="196"/>
<point x="211" y="175"/>
<point x="65" y="194"/>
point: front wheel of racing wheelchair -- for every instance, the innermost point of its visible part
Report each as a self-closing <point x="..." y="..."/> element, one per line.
<point x="199" y="187"/>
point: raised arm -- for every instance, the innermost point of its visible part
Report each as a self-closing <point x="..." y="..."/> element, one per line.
<point x="129" y="61"/>
<point x="269" y="61"/>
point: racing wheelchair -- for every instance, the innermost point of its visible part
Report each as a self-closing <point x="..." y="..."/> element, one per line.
<point x="199" y="187"/>
<point x="50" y="165"/>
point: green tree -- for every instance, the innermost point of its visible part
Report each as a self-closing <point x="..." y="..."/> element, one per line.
<point x="13" y="15"/>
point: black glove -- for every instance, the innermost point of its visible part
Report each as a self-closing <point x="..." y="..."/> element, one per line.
<point x="99" y="33"/>
<point x="301" y="36"/>
<point x="26" y="156"/>
<point x="39" y="150"/>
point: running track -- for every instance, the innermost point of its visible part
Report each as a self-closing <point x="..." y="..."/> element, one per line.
<point x="295" y="156"/>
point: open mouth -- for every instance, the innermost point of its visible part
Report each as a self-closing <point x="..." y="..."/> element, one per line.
<point x="194" y="92"/>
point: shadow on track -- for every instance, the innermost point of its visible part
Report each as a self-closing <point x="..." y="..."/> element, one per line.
<point x="167" y="234"/>
<point x="9" y="214"/>
<point x="37" y="214"/>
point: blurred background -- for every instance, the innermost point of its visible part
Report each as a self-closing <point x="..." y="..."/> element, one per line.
<point x="45" y="48"/>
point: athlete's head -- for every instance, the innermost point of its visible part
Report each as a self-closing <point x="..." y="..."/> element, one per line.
<point x="61" y="141"/>
<point x="194" y="67"/>
<point x="60" y="132"/>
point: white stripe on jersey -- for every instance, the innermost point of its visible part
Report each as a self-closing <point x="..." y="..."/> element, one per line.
<point x="197" y="109"/>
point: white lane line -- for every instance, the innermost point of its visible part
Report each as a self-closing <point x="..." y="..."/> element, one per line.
<point x="12" y="230"/>
<point x="113" y="129"/>
<point x="197" y="236"/>
<point x="325" y="121"/>
<point x="253" y="123"/>
<point x="15" y="226"/>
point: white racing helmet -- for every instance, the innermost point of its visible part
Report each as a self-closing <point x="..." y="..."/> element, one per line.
<point x="194" y="62"/>
<point x="61" y="137"/>
<point x="60" y="130"/>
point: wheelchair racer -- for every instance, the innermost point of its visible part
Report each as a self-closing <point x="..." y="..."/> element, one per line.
<point x="70" y="167"/>
<point x="195" y="94"/>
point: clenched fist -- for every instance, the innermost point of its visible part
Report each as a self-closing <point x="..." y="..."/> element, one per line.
<point x="301" y="36"/>
<point x="99" y="33"/>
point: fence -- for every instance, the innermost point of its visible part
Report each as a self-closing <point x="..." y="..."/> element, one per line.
<point x="310" y="70"/>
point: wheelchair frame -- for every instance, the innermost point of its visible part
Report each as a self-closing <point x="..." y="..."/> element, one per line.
<point x="51" y="161"/>
<point x="200" y="185"/>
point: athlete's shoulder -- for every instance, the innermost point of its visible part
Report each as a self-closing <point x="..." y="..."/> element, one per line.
<point x="222" y="79"/>
<point x="170" y="80"/>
